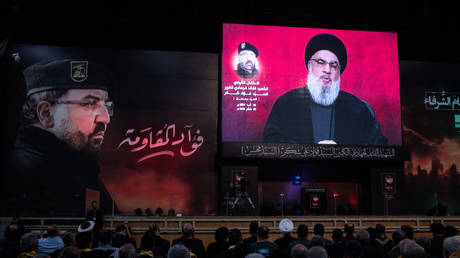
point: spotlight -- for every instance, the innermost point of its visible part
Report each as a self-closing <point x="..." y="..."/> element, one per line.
<point x="159" y="211"/>
<point x="171" y="212"/>
<point x="138" y="212"/>
<point x="148" y="212"/>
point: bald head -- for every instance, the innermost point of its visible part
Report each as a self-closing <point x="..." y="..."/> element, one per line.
<point x="127" y="251"/>
<point x="451" y="245"/>
<point x="410" y="249"/>
<point x="187" y="230"/>
<point x="317" y="252"/>
<point x="299" y="251"/>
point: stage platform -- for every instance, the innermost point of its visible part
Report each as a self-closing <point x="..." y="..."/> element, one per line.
<point x="205" y="226"/>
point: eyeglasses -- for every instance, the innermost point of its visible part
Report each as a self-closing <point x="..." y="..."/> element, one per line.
<point x="334" y="65"/>
<point x="92" y="104"/>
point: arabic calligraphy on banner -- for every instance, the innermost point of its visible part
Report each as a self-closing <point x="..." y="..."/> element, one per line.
<point x="442" y="100"/>
<point x="246" y="94"/>
<point x="162" y="142"/>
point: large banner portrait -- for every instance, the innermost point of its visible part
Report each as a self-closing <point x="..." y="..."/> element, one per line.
<point x="309" y="86"/>
<point x="131" y="129"/>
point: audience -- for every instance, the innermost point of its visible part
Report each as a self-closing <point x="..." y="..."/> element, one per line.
<point x="382" y="239"/>
<point x="349" y="229"/>
<point x="336" y="249"/>
<point x="263" y="246"/>
<point x="302" y="234"/>
<point x="286" y="226"/>
<point x="28" y="245"/>
<point x="122" y="236"/>
<point x="367" y="243"/>
<point x="188" y="239"/>
<point x="451" y="246"/>
<point x="221" y="245"/>
<point x="318" y="229"/>
<point x="253" y="228"/>
<point x="128" y="251"/>
<point x="70" y="252"/>
<point x="52" y="243"/>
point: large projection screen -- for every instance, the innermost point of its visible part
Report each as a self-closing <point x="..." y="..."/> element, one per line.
<point x="264" y="93"/>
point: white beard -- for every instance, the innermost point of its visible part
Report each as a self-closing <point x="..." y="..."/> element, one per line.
<point x="324" y="96"/>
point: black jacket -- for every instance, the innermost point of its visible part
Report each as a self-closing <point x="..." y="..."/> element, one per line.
<point x="46" y="177"/>
<point x="290" y="120"/>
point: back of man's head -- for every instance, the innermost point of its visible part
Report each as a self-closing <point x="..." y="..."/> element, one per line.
<point x="410" y="249"/>
<point x="234" y="236"/>
<point x="397" y="236"/>
<point x="187" y="230"/>
<point x="127" y="251"/>
<point x="316" y="240"/>
<point x="253" y="227"/>
<point x="29" y="242"/>
<point x="299" y="251"/>
<point x="379" y="229"/>
<point x="318" y="229"/>
<point x="69" y="239"/>
<point x="408" y="230"/>
<point x="221" y="234"/>
<point x="154" y="227"/>
<point x="451" y="245"/>
<point x="363" y="236"/>
<point x="254" y="255"/>
<point x="436" y="228"/>
<point x="302" y="231"/>
<point x="12" y="232"/>
<point x="178" y="251"/>
<point x="317" y="252"/>
<point x="147" y="242"/>
<point x="70" y="252"/>
<point x="349" y="228"/>
<point x="262" y="233"/>
<point x="53" y="230"/>
<point x="337" y="235"/>
<point x="120" y="228"/>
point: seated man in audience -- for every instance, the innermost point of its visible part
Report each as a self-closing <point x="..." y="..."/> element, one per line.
<point x="317" y="252"/>
<point x="298" y="251"/>
<point x="425" y="243"/>
<point x="397" y="236"/>
<point x="28" y="245"/>
<point x="318" y="229"/>
<point x="302" y="234"/>
<point x="436" y="242"/>
<point x="127" y="251"/>
<point x="9" y="246"/>
<point x="178" y="251"/>
<point x="451" y="247"/>
<point x="370" y="249"/>
<point x="51" y="243"/>
<point x="70" y="252"/>
<point x="84" y="239"/>
<point x="382" y="239"/>
<point x="237" y="247"/>
<point x="122" y="236"/>
<point x="188" y="239"/>
<point x="105" y="244"/>
<point x="221" y="244"/>
<point x="352" y="249"/>
<point x="409" y="231"/>
<point x="160" y="245"/>
<point x="410" y="249"/>
<point x="349" y="229"/>
<point x="263" y="246"/>
<point x="253" y="228"/>
<point x="286" y="226"/>
<point x="336" y="249"/>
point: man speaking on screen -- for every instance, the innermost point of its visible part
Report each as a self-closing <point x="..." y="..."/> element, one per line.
<point x="320" y="112"/>
<point x="55" y="157"/>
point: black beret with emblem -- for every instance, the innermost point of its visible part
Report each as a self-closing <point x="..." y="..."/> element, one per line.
<point x="66" y="74"/>
<point x="326" y="41"/>
<point x="246" y="46"/>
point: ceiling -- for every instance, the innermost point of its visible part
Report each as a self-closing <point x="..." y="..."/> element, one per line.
<point x="426" y="30"/>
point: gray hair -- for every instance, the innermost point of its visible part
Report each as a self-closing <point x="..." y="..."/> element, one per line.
<point x="410" y="249"/>
<point x="29" y="242"/>
<point x="363" y="235"/>
<point x="254" y="255"/>
<point x="317" y="252"/>
<point x="451" y="245"/>
<point x="178" y="251"/>
<point x="299" y="251"/>
<point x="127" y="251"/>
<point x="29" y="108"/>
